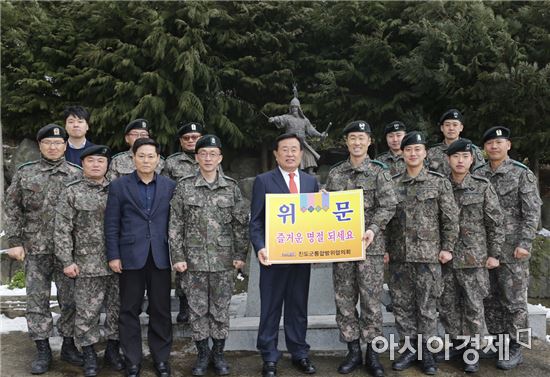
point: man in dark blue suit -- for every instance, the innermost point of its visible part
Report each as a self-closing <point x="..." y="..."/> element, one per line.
<point x="136" y="236"/>
<point x="286" y="284"/>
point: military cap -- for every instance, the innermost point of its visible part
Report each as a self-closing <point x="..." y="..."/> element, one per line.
<point x="394" y="127"/>
<point x="460" y="145"/>
<point x="451" y="114"/>
<point x="140" y="124"/>
<point x="413" y="137"/>
<point x="497" y="132"/>
<point x="190" y="127"/>
<point x="208" y="141"/>
<point x="51" y="130"/>
<point x="96" y="150"/>
<point x="357" y="126"/>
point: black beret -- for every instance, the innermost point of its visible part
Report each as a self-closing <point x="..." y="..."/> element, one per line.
<point x="140" y="124"/>
<point x="190" y="127"/>
<point x="451" y="114"/>
<point x="496" y="133"/>
<point x="208" y="141"/>
<point x="51" y="130"/>
<point x="460" y="145"/>
<point x="413" y="137"/>
<point x="96" y="150"/>
<point x="394" y="126"/>
<point x="357" y="126"/>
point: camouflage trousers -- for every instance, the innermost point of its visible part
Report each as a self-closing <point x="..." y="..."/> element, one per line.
<point x="506" y="305"/>
<point x="363" y="281"/>
<point x="415" y="289"/>
<point x="91" y="294"/>
<point x="40" y="271"/>
<point x="461" y="304"/>
<point x="209" y="296"/>
<point x="179" y="284"/>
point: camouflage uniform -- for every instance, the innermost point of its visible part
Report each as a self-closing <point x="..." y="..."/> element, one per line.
<point x="208" y="230"/>
<point x="425" y="222"/>
<point x="30" y="216"/>
<point x="395" y="162"/>
<point x="123" y="164"/>
<point x="437" y="160"/>
<point x="466" y="279"/>
<point x="363" y="280"/>
<point x="79" y="239"/>
<point x="518" y="194"/>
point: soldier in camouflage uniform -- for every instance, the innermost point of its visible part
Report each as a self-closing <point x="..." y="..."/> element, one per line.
<point x="362" y="280"/>
<point x="421" y="235"/>
<point x="80" y="247"/>
<point x="123" y="163"/>
<point x="466" y="278"/>
<point x="30" y="216"/>
<point x="518" y="194"/>
<point x="177" y="166"/>
<point x="451" y="125"/>
<point x="208" y="235"/>
<point x="394" y="133"/>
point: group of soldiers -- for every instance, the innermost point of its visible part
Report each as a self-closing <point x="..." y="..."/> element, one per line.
<point x="456" y="232"/>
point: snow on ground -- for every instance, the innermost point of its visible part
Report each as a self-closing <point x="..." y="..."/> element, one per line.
<point x="540" y="306"/>
<point x="16" y="324"/>
<point x="544" y="232"/>
<point x="5" y="291"/>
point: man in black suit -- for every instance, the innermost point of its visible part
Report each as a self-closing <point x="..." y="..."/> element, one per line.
<point x="136" y="236"/>
<point x="286" y="284"/>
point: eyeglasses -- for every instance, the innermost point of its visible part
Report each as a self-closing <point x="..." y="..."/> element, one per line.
<point x="139" y="134"/>
<point x="190" y="137"/>
<point x="55" y="144"/>
<point x="206" y="154"/>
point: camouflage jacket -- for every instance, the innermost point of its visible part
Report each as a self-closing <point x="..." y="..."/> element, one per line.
<point x="179" y="165"/>
<point x="208" y="223"/>
<point x="481" y="230"/>
<point x="78" y="233"/>
<point x="123" y="164"/>
<point x="379" y="198"/>
<point x="394" y="161"/>
<point x="426" y="218"/>
<point x="30" y="203"/>
<point x="519" y="198"/>
<point x="437" y="159"/>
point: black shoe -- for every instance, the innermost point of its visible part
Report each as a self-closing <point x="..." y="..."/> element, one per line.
<point x="429" y="365"/>
<point x="163" y="369"/>
<point x="353" y="359"/>
<point x="133" y="370"/>
<point x="304" y="365"/>
<point x="203" y="358"/>
<point x="69" y="352"/>
<point x="516" y="358"/>
<point x="471" y="367"/>
<point x="183" y="315"/>
<point x="90" y="361"/>
<point x="220" y="365"/>
<point x="404" y="361"/>
<point x="372" y="363"/>
<point x="454" y="354"/>
<point x="269" y="369"/>
<point x="112" y="356"/>
<point x="43" y="360"/>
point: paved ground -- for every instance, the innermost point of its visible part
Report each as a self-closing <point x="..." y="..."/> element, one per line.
<point x="17" y="351"/>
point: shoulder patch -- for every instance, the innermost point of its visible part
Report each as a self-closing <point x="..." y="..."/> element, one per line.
<point x="436" y="173"/>
<point x="379" y="163"/>
<point x="27" y="164"/>
<point x="531" y="177"/>
<point x="74" y="165"/>
<point x="517" y="163"/>
<point x="73" y="182"/>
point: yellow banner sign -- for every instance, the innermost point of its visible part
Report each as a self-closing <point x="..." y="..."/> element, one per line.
<point x="315" y="227"/>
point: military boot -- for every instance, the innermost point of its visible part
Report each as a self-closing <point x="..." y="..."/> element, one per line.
<point x="515" y="359"/>
<point x="90" y="361"/>
<point x="220" y="365"/>
<point x="203" y="358"/>
<point x="69" y="352"/>
<point x="428" y="362"/>
<point x="112" y="355"/>
<point x="43" y="360"/>
<point x="372" y="363"/>
<point x="469" y="365"/>
<point x="183" y="315"/>
<point x="406" y="359"/>
<point x="353" y="359"/>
